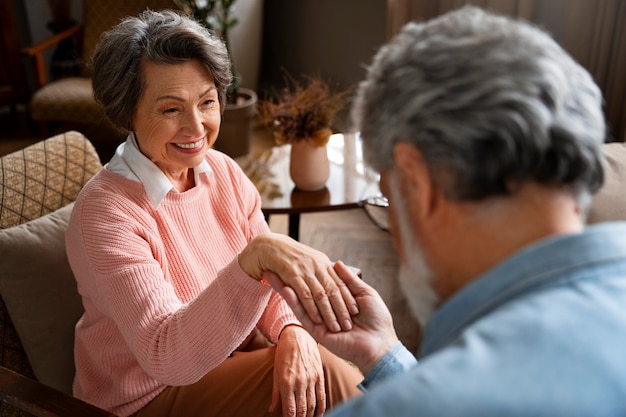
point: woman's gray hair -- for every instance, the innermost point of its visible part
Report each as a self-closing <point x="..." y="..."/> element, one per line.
<point x="490" y="103"/>
<point x="164" y="37"/>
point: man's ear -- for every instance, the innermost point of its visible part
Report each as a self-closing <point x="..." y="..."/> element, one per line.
<point x="415" y="180"/>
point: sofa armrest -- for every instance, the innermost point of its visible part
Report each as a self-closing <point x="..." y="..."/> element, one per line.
<point x="37" y="51"/>
<point x="40" y="400"/>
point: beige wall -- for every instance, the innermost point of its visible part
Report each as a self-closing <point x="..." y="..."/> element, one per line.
<point x="246" y="41"/>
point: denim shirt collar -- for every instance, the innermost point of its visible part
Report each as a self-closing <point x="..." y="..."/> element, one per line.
<point x="537" y="265"/>
<point x="130" y="163"/>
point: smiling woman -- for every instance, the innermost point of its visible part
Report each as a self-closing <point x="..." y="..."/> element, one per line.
<point x="169" y="246"/>
<point x="177" y="118"/>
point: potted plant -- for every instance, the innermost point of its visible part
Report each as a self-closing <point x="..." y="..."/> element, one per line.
<point x="302" y="116"/>
<point x="238" y="116"/>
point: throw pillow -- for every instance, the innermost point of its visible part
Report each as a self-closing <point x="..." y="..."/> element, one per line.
<point x="40" y="293"/>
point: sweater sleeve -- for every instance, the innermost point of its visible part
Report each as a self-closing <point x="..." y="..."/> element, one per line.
<point x="278" y="314"/>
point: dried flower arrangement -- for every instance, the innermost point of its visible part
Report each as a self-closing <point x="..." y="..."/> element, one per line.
<point x="302" y="112"/>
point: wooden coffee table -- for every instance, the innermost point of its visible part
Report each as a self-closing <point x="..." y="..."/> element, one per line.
<point x="350" y="181"/>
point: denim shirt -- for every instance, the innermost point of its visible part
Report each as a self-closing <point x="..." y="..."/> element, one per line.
<point x="543" y="333"/>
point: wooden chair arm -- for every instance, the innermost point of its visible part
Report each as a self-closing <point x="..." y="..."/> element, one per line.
<point x="40" y="400"/>
<point x="36" y="51"/>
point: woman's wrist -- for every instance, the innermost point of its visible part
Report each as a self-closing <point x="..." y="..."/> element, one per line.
<point x="291" y="329"/>
<point x="256" y="250"/>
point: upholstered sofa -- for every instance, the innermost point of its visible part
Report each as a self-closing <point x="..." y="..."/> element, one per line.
<point x="39" y="303"/>
<point x="610" y="203"/>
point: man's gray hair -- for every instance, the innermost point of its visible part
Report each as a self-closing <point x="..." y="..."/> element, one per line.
<point x="165" y="37"/>
<point x="490" y="102"/>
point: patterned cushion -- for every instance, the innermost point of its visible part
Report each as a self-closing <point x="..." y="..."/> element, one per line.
<point x="44" y="177"/>
<point x="36" y="181"/>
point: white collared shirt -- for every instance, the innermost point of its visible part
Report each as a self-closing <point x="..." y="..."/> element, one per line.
<point x="130" y="163"/>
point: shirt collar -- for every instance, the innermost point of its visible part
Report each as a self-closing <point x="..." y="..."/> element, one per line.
<point x="130" y="163"/>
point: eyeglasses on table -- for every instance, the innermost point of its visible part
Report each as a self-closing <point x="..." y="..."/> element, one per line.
<point x="377" y="209"/>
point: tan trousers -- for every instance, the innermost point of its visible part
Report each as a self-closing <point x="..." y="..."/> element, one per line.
<point x="242" y="387"/>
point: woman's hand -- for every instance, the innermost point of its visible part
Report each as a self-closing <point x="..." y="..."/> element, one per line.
<point x="309" y="272"/>
<point x="298" y="375"/>
<point x="373" y="333"/>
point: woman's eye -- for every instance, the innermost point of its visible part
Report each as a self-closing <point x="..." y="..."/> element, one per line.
<point x="170" y="110"/>
<point x="209" y="102"/>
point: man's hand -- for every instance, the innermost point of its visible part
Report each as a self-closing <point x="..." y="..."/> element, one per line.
<point x="309" y="272"/>
<point x="372" y="334"/>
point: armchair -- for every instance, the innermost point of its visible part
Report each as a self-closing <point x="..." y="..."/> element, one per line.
<point x="69" y="101"/>
<point x="39" y="303"/>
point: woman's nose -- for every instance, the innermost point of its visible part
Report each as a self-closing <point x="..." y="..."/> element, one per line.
<point x="194" y="122"/>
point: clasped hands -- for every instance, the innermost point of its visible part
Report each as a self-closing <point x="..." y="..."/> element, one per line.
<point x="323" y="295"/>
<point x="333" y="304"/>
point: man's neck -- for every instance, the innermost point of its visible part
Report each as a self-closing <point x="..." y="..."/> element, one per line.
<point x="474" y="237"/>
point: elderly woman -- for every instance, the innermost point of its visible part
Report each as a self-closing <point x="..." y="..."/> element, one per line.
<point x="169" y="246"/>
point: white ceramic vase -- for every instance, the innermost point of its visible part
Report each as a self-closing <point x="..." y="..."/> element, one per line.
<point x="308" y="165"/>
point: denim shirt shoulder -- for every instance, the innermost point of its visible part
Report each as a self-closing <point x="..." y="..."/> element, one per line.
<point x="539" y="265"/>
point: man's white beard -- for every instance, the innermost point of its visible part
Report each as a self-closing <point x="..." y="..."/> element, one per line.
<point x="414" y="275"/>
<point x="415" y="280"/>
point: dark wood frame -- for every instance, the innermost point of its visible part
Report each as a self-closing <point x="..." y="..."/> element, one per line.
<point x="36" y="52"/>
<point x="40" y="400"/>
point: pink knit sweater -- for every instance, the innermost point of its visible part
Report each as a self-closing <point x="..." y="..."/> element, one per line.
<point x="165" y="300"/>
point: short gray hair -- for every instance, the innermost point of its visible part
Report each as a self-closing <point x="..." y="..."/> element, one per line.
<point x="165" y="37"/>
<point x="490" y="102"/>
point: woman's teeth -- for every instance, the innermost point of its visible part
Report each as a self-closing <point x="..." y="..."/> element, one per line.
<point x="190" y="145"/>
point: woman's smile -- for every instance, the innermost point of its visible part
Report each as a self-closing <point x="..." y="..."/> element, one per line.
<point x="193" y="146"/>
